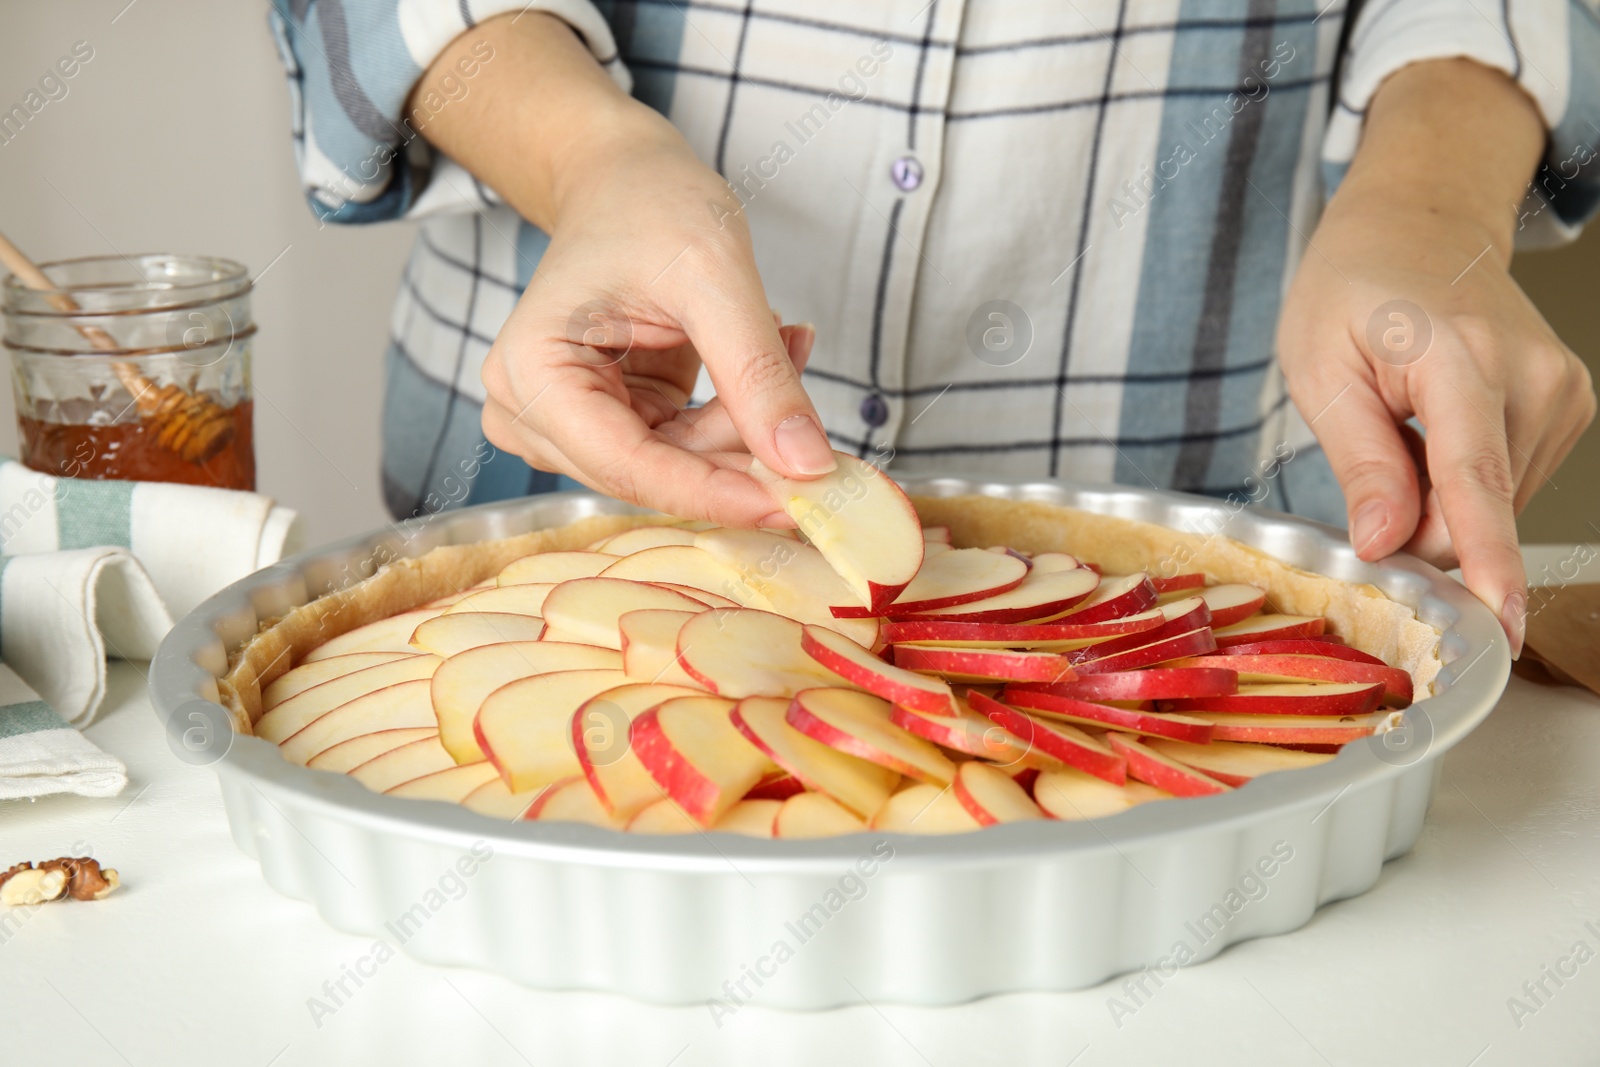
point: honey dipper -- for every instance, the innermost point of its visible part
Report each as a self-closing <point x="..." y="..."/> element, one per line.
<point x="194" y="427"/>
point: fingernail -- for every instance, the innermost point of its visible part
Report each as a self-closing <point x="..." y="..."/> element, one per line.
<point x="1514" y="617"/>
<point x="1370" y="522"/>
<point x="803" y="447"/>
<point x="778" y="520"/>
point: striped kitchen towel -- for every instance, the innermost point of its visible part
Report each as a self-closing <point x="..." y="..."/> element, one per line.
<point x="40" y="754"/>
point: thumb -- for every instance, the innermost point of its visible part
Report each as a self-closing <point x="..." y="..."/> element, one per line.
<point x="1373" y="465"/>
<point x="756" y="378"/>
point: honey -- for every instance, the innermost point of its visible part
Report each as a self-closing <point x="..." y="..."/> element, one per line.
<point x="129" y="450"/>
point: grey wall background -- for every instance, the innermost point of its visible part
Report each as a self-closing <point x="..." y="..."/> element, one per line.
<point x="174" y="137"/>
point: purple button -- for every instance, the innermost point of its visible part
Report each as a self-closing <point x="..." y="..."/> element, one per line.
<point x="874" y="410"/>
<point x="907" y="173"/>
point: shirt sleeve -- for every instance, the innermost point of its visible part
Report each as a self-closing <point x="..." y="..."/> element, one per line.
<point x="1551" y="48"/>
<point x="351" y="66"/>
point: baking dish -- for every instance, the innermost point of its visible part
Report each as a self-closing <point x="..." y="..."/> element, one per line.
<point x="724" y="920"/>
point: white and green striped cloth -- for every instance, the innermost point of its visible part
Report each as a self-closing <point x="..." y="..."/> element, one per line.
<point x="96" y="568"/>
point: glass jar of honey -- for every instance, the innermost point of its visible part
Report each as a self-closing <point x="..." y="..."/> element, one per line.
<point x="135" y="367"/>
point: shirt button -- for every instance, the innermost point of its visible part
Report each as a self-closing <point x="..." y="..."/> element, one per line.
<point x="907" y="173"/>
<point x="874" y="411"/>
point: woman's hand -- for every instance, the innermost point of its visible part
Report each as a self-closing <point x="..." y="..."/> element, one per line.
<point x="1403" y="306"/>
<point x="649" y="272"/>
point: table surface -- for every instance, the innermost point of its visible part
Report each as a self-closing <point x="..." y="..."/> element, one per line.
<point x="197" y="961"/>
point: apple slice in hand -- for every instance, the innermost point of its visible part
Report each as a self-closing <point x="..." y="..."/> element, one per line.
<point x="1290" y="729"/>
<point x="861" y="522"/>
<point x="1056" y="739"/>
<point x="348" y="755"/>
<point x="791" y="577"/>
<point x="303" y="677"/>
<point x="1266" y="669"/>
<point x="858" y="724"/>
<point x="984" y="664"/>
<point x="449" y="634"/>
<point x="693" y="751"/>
<point x="586" y="610"/>
<point x="959" y="576"/>
<point x="743" y="653"/>
<point x="394" y="707"/>
<point x="570" y="800"/>
<point x="452" y="784"/>
<point x="992" y="796"/>
<point x="551" y="568"/>
<point x="1108" y="717"/>
<point x="809" y="815"/>
<point x="1154" y="768"/>
<point x="860" y="785"/>
<point x="1042" y="594"/>
<point x="420" y="757"/>
<point x="924" y="809"/>
<point x="1234" y="763"/>
<point x="602" y="740"/>
<point x="650" y="646"/>
<point x="296" y="712"/>
<point x="1335" y="698"/>
<point x="464" y="681"/>
<point x="524" y="726"/>
<point x="1072" y="795"/>
<point x="1270" y="627"/>
<point x="848" y="660"/>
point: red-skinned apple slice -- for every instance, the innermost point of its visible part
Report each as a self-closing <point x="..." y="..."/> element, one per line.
<point x="861" y="522"/>
<point x="743" y="653"/>
<point x="970" y="733"/>
<point x="858" y="724"/>
<point x="551" y="568"/>
<point x="1047" y="636"/>
<point x="924" y="809"/>
<point x="1231" y="604"/>
<point x="389" y="769"/>
<point x="385" y="635"/>
<point x="692" y="750"/>
<point x="570" y="800"/>
<point x="464" y="681"/>
<point x="1071" y="795"/>
<point x="495" y="800"/>
<point x="1301" y="646"/>
<point x="1193" y="580"/>
<point x="650" y="646"/>
<point x="1162" y="771"/>
<point x="779" y="785"/>
<point x="295" y="713"/>
<point x="1195" y="677"/>
<point x="790" y="577"/>
<point x="1235" y="763"/>
<point x="601" y="739"/>
<point x="524" y="726"/>
<point x="1291" y="729"/>
<point x="991" y="796"/>
<point x="348" y="755"/>
<point x="1178" y="617"/>
<point x="811" y="815"/>
<point x="1108" y="717"/>
<point x="984" y="664"/>
<point x="303" y="677"/>
<point x="960" y="576"/>
<point x="450" y="634"/>
<point x="684" y="566"/>
<point x="394" y="707"/>
<point x="1041" y="594"/>
<point x="641" y="538"/>
<point x="1054" y="738"/>
<point x="1194" y="643"/>
<point x="859" y="784"/>
<point x="1270" y="627"/>
<point x="1267" y="669"/>
<point x="856" y="665"/>
<point x="509" y="599"/>
<point x="452" y="784"/>
<point x="1334" y="698"/>
<point x="587" y="609"/>
<point x="1113" y="598"/>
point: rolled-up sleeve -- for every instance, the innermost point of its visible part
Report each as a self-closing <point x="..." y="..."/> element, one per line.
<point x="351" y="67"/>
<point x="1551" y="48"/>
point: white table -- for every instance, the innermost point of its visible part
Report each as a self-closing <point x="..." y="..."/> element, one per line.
<point x="197" y="961"/>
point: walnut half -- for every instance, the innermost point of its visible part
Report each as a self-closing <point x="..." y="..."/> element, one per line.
<point x="79" y="877"/>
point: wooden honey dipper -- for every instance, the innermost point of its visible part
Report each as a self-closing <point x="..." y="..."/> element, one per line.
<point x="194" y="427"/>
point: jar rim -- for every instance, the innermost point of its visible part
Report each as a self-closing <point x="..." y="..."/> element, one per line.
<point x="225" y="277"/>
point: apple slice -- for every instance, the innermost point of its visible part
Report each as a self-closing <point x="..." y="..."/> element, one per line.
<point x="791" y="577"/>
<point x="971" y="733"/>
<point x="861" y="522"/>
<point x="751" y="818"/>
<point x="691" y="748"/>
<point x="1113" y="598"/>
<point x="449" y="634"/>
<point x="924" y="809"/>
<point x="663" y="817"/>
<point x="552" y="568"/>
<point x="959" y="576"/>
<point x="1042" y="594"/>
<point x="1260" y="669"/>
<point x="1173" y="618"/>
<point x="933" y="548"/>
<point x="684" y="566"/>
<point x="1290" y="729"/>
<point x="650" y="646"/>
<point x="450" y="598"/>
<point x="464" y="681"/>
<point x="1335" y="698"/>
<point x="1270" y="627"/>
<point x="1200" y="676"/>
<point x="452" y="784"/>
<point x="505" y="599"/>
<point x="1162" y="771"/>
<point x="294" y="713"/>
<point x="601" y="739"/>
<point x="524" y="726"/>
<point x="587" y="609"/>
<point x="1232" y="603"/>
<point x="703" y="596"/>
<point x="855" y="664"/>
<point x="385" y="635"/>
<point x="348" y="755"/>
<point x="1049" y="636"/>
<point x="811" y="815"/>
<point x="1193" y="643"/>
<point x="1108" y="717"/>
<point x="420" y="757"/>
<point x="394" y="707"/>
<point x="1301" y="646"/>
<point x="570" y="800"/>
<point x="859" y="724"/>
<point x="303" y="677"/>
<point x="1071" y="795"/>
<point x="991" y="796"/>
<point x="1235" y="763"/>
<point x="777" y="785"/>
<point x="641" y="538"/>
<point x="743" y="653"/>
<point x="1057" y="739"/>
<point x="936" y="533"/>
<point x="858" y="784"/>
<point x="494" y="799"/>
<point x="1193" y="580"/>
<point x="984" y="664"/>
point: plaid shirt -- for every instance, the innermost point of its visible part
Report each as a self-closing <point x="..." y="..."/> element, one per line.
<point x="1036" y="239"/>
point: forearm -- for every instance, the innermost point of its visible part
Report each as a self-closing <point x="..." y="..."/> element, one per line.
<point x="1449" y="137"/>
<point x="536" y="116"/>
